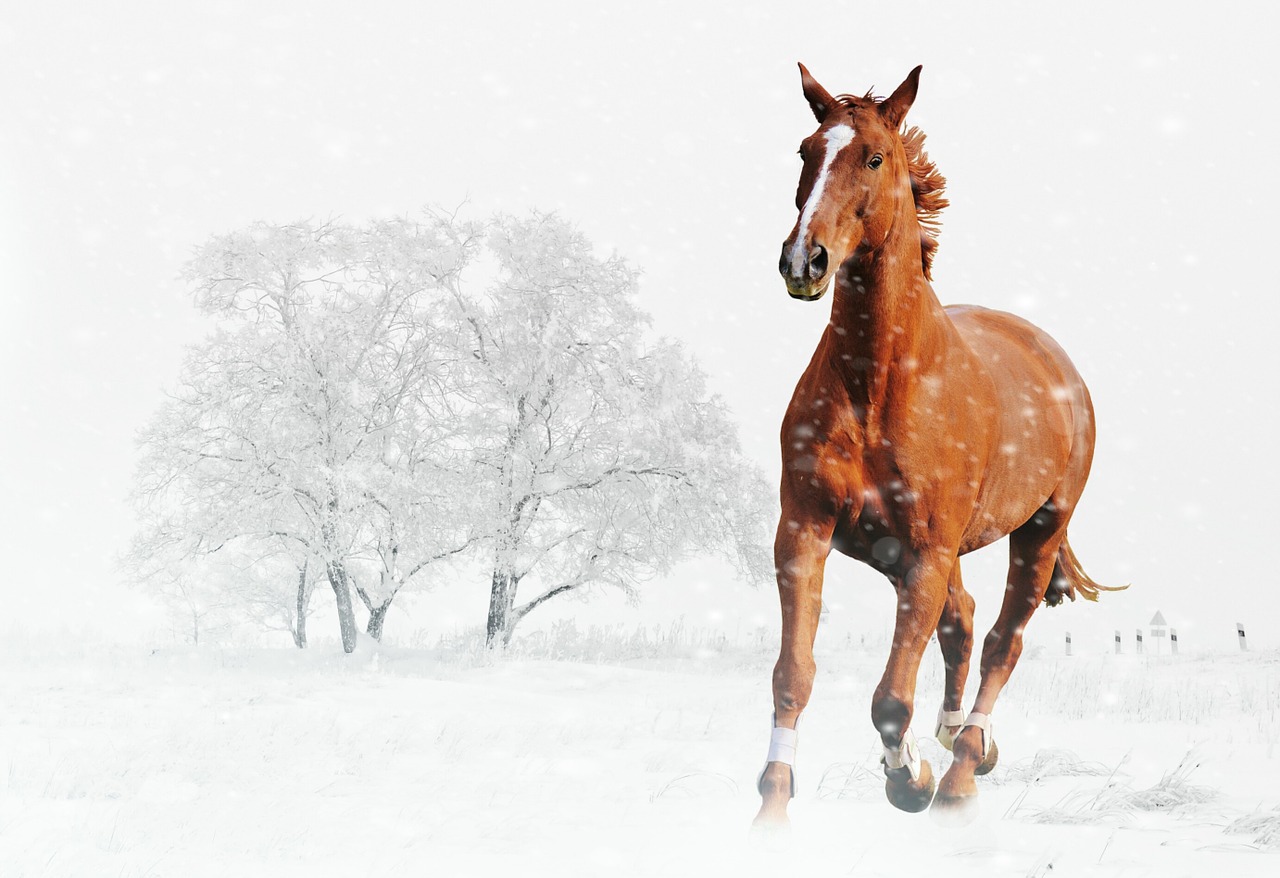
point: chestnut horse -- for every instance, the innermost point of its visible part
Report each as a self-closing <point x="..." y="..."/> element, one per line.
<point x="916" y="434"/>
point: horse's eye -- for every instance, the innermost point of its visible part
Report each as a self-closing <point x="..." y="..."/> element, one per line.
<point x="876" y="161"/>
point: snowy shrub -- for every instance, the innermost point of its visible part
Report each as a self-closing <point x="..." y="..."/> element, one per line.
<point x="1263" y="826"/>
<point x="1117" y="800"/>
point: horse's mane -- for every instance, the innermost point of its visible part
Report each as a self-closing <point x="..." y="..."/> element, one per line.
<point x="927" y="184"/>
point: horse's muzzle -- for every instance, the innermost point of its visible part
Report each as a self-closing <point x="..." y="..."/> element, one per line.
<point x="808" y="293"/>
<point x="805" y="271"/>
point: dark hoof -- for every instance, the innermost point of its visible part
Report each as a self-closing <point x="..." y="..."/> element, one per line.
<point x="907" y="796"/>
<point x="954" y="810"/>
<point x="992" y="757"/>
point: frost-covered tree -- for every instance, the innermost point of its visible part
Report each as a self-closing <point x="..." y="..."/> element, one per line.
<point x="312" y="423"/>
<point x="604" y="458"/>
<point x="209" y="486"/>
<point x="168" y="571"/>
<point x="382" y="398"/>
<point x="217" y="592"/>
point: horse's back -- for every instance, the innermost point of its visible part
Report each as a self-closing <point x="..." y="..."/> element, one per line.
<point x="1021" y="356"/>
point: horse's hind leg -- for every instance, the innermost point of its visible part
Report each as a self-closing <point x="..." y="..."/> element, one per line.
<point x="1033" y="549"/>
<point x="955" y="637"/>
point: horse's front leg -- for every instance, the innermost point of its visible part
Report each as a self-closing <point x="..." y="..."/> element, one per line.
<point x="955" y="638"/>
<point x="800" y="554"/>
<point x="922" y="593"/>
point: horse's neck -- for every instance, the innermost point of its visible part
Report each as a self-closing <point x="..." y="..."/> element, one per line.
<point x="886" y="325"/>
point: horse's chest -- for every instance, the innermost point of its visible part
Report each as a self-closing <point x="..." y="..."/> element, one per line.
<point x="884" y="532"/>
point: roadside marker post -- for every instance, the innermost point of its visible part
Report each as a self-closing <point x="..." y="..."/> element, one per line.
<point x="1159" y="629"/>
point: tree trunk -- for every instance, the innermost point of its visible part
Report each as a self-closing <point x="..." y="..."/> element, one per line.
<point x="377" y="615"/>
<point x="346" y="614"/>
<point x="502" y="597"/>
<point x="300" y="624"/>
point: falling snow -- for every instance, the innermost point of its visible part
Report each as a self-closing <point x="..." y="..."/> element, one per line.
<point x="1108" y="171"/>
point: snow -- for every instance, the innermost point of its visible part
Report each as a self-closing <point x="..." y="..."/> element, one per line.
<point x="605" y="759"/>
<point x="132" y="762"/>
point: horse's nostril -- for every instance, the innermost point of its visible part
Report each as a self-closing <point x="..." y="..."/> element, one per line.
<point x="817" y="261"/>
<point x="784" y="264"/>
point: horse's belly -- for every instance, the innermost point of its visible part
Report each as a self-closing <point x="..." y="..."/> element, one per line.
<point x="1006" y="503"/>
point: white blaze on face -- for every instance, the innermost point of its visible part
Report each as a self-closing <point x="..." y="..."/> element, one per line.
<point x="837" y="138"/>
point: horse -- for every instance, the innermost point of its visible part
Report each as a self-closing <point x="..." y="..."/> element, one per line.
<point x="916" y="434"/>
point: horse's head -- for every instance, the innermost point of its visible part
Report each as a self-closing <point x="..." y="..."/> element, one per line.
<point x="854" y="181"/>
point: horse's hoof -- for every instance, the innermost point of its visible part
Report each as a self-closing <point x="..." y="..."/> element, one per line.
<point x="906" y="795"/>
<point x="770" y="832"/>
<point x="989" y="761"/>
<point x="954" y="810"/>
<point x="772" y="818"/>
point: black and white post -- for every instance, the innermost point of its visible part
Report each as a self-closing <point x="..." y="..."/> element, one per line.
<point x="1244" y="647"/>
<point x="1139" y="650"/>
<point x="1173" y="640"/>
<point x="1117" y="641"/>
<point x="1068" y="643"/>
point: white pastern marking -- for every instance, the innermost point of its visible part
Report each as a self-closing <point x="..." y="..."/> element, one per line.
<point x="837" y="138"/>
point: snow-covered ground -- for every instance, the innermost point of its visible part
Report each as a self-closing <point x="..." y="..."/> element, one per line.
<point x="612" y="759"/>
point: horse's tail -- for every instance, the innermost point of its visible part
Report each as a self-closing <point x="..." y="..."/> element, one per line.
<point x="1069" y="579"/>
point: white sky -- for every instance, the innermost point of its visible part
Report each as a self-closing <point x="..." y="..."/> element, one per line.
<point x="1111" y="176"/>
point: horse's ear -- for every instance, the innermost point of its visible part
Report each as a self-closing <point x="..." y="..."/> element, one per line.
<point x="820" y="101"/>
<point x="894" y="107"/>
